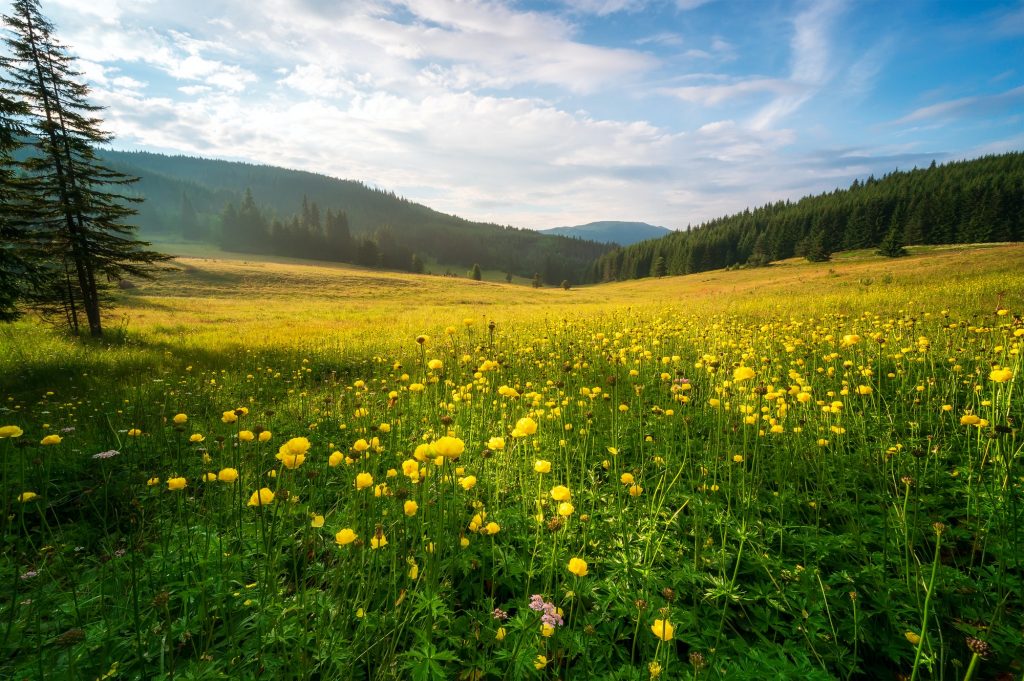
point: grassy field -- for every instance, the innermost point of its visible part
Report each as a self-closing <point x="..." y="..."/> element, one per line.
<point x="281" y="470"/>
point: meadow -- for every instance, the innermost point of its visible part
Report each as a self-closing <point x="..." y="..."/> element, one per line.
<point x="306" y="471"/>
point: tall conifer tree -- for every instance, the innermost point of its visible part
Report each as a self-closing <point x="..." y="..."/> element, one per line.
<point x="85" y="212"/>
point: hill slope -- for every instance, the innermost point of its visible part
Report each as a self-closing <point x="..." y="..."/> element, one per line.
<point x="291" y="211"/>
<point x="612" y="232"/>
<point x="974" y="201"/>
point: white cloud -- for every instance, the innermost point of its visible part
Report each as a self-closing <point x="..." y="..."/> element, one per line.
<point x="954" y="108"/>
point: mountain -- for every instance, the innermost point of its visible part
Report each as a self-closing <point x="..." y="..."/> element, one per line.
<point x="974" y="201"/>
<point x="612" y="232"/>
<point x="302" y="214"/>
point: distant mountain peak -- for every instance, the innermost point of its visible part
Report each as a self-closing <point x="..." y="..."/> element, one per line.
<point x="612" y="231"/>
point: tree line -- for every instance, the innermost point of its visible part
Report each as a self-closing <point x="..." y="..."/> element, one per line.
<point x="63" y="223"/>
<point x="980" y="200"/>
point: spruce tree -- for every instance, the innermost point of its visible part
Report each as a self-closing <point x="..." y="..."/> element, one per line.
<point x="83" y="213"/>
<point x="476" y="274"/>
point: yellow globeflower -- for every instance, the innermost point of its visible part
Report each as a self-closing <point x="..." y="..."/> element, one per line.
<point x="560" y="493"/>
<point x="490" y="528"/>
<point x="542" y="466"/>
<point x="51" y="440"/>
<point x="525" y="426"/>
<point x="360" y="445"/>
<point x="316" y="521"/>
<point x="410" y="507"/>
<point x="153" y="482"/>
<point x="864" y="390"/>
<point x="246" y="436"/>
<point x="636" y="490"/>
<point x="364" y="480"/>
<point x="566" y="509"/>
<point x="263" y="497"/>
<point x="134" y="432"/>
<point x="626" y="479"/>
<point x="345" y="536"/>
<point x="449" y="447"/>
<point x="663" y="629"/>
<point x="500" y="634"/>
<point x="468" y="482"/>
<point x="969" y="420"/>
<point x="540" y="662"/>
<point x="496" y="443"/>
<point x="180" y="419"/>
<point x="10" y="431"/>
<point x="196" y="437"/>
<point x="1000" y="375"/>
<point x="578" y="567"/>
<point x="741" y="374"/>
<point x="229" y="416"/>
<point x="265" y="436"/>
<point x="227" y="475"/>
<point x="26" y="497"/>
<point x="411" y="468"/>
<point x="435" y="364"/>
<point x="176" y="483"/>
<point x="547" y="630"/>
<point x="378" y="541"/>
<point x="912" y="637"/>
<point x="209" y="477"/>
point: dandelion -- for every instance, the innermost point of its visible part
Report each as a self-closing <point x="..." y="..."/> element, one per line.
<point x="262" y="497"/>
<point x="578" y="567"/>
<point x="663" y="629"/>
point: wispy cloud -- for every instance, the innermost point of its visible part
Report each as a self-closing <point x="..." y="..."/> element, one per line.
<point x="955" y="108"/>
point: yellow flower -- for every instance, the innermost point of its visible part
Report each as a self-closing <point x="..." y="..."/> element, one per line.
<point x="134" y="432"/>
<point x="1000" y="375"/>
<point x="525" y="426"/>
<point x="26" y="497"/>
<point x="263" y="497"/>
<point x="414" y="570"/>
<point x="410" y="507"/>
<point x="654" y="669"/>
<point x="468" y="482"/>
<point x="51" y="440"/>
<point x="566" y="509"/>
<point x="180" y="419"/>
<point x="209" y="477"/>
<point x="435" y="364"/>
<point x="864" y="390"/>
<point x="912" y="637"/>
<point x="229" y="416"/>
<point x="560" y="493"/>
<point x="636" y="490"/>
<point x="345" y="536"/>
<point x="496" y="444"/>
<point x="500" y="634"/>
<point x="176" y="483"/>
<point x="850" y="339"/>
<point x="265" y="436"/>
<point x="335" y="459"/>
<point x="626" y="479"/>
<point x="246" y="436"/>
<point x="10" y="431"/>
<point x="227" y="475"/>
<point x="463" y="542"/>
<point x="411" y="468"/>
<point x="578" y="567"/>
<point x="969" y="420"/>
<point x="737" y="458"/>
<point x="361" y="445"/>
<point x="546" y="630"/>
<point x="364" y="480"/>
<point x="449" y="447"/>
<point x="663" y="629"/>
<point x="291" y="461"/>
<point x="378" y="541"/>
<point x="542" y="466"/>
<point x="741" y="374"/>
<point x="196" y="437"/>
<point x="540" y="662"/>
<point x="316" y="521"/>
<point x="490" y="528"/>
<point x="153" y="482"/>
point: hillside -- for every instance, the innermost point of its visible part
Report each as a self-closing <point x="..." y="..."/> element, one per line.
<point x="975" y="201"/>
<point x="611" y="232"/>
<point x="292" y="213"/>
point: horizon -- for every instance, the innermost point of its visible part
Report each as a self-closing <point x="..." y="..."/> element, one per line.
<point x="540" y="115"/>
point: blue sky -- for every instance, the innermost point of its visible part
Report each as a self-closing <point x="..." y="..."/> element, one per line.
<point x="540" y="114"/>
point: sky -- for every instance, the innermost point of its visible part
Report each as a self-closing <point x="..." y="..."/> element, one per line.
<point x="541" y="114"/>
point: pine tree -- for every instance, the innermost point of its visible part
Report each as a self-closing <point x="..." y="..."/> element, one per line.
<point x="476" y="275"/>
<point x="83" y="212"/>
<point x="892" y="244"/>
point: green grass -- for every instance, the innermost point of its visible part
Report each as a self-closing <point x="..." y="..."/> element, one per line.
<point x="831" y="516"/>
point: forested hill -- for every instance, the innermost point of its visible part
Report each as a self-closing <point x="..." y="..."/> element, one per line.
<point x="981" y="200"/>
<point x="264" y="209"/>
